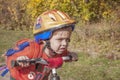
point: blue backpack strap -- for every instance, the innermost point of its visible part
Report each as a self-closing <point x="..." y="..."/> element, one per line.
<point x="12" y="51"/>
<point x="5" y="72"/>
<point x="4" y="67"/>
<point x="20" y="48"/>
<point x="23" y="45"/>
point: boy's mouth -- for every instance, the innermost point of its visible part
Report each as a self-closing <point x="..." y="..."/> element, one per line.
<point x="62" y="49"/>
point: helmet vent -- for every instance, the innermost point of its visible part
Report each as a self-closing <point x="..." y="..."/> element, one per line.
<point x="61" y="14"/>
<point x="52" y="17"/>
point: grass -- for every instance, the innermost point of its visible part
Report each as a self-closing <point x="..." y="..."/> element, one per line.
<point x="99" y="39"/>
<point x="8" y="38"/>
<point x="86" y="68"/>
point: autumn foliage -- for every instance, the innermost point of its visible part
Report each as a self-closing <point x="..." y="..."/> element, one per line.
<point x="20" y="14"/>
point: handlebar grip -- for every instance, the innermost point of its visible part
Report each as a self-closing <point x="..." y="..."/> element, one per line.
<point x="69" y="57"/>
<point x="14" y="63"/>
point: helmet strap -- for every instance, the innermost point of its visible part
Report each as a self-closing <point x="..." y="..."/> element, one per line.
<point x="47" y="45"/>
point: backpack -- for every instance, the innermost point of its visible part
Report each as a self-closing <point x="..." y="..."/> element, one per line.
<point x="19" y="47"/>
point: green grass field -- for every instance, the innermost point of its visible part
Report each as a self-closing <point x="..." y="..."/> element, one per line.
<point x="86" y="68"/>
<point x="9" y="38"/>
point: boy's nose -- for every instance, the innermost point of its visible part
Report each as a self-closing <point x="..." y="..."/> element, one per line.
<point x="64" y="43"/>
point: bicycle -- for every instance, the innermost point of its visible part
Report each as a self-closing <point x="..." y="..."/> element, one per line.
<point x="55" y="76"/>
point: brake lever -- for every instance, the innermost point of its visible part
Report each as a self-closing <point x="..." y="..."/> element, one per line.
<point x="41" y="61"/>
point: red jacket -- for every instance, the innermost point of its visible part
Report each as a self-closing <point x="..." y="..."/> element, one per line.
<point x="34" y="50"/>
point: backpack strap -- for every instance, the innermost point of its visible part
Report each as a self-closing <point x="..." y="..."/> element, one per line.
<point x="5" y="72"/>
<point x="18" y="47"/>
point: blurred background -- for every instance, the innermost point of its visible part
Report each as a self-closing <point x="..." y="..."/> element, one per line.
<point x="96" y="38"/>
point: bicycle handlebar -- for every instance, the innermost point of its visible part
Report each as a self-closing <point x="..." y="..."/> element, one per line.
<point x="14" y="63"/>
<point x="33" y="61"/>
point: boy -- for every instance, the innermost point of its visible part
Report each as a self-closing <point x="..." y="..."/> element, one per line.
<point x="52" y="32"/>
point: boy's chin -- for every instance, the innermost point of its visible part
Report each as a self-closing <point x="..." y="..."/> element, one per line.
<point x="60" y="52"/>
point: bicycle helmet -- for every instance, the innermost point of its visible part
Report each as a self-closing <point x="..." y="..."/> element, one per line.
<point x="49" y="21"/>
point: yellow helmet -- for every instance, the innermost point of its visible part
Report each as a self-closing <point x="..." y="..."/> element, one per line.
<point x="50" y="21"/>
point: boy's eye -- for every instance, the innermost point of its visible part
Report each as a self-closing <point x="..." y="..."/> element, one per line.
<point x="67" y="40"/>
<point x="59" y="39"/>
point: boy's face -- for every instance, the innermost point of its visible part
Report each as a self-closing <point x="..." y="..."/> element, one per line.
<point x="60" y="39"/>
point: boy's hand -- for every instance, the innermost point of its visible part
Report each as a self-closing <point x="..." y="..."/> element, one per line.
<point x="23" y="64"/>
<point x="74" y="56"/>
